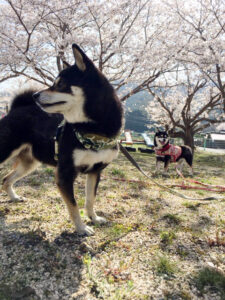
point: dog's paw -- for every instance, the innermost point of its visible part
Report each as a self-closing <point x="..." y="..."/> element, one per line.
<point x="17" y="199"/>
<point x="155" y="174"/>
<point x="85" y="230"/>
<point x="98" y="220"/>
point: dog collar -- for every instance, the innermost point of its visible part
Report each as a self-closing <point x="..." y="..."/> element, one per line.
<point x="88" y="140"/>
<point x="164" y="148"/>
<point x="95" y="141"/>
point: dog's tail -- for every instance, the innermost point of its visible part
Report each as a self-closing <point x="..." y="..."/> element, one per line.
<point x="23" y="99"/>
<point x="11" y="127"/>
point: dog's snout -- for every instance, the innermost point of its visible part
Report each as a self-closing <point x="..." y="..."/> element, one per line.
<point x="36" y="95"/>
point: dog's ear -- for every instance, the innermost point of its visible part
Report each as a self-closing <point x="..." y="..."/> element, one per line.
<point x="65" y="65"/>
<point x="80" y="57"/>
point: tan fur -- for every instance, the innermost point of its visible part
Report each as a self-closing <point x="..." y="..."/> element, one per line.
<point x="24" y="164"/>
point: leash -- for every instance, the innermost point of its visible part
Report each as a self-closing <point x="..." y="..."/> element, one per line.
<point x="131" y="159"/>
<point x="206" y="187"/>
<point x="171" y="191"/>
<point x="182" y="186"/>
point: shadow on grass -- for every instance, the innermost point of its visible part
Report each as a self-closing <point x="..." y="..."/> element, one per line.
<point x="32" y="267"/>
<point x="211" y="279"/>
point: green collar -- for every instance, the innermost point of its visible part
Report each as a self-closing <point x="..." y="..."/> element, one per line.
<point x="95" y="142"/>
<point x="88" y="140"/>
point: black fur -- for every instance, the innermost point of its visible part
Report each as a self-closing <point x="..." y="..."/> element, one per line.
<point x="186" y="153"/>
<point x="26" y="123"/>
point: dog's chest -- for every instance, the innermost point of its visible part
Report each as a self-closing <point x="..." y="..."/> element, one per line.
<point x="89" y="158"/>
<point x="173" y="151"/>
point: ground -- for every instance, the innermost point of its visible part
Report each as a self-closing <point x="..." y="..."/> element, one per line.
<point x="154" y="246"/>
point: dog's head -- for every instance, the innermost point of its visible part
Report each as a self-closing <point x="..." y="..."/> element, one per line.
<point x="161" y="139"/>
<point x="77" y="90"/>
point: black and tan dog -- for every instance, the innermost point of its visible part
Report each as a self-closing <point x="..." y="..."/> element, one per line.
<point x="87" y="142"/>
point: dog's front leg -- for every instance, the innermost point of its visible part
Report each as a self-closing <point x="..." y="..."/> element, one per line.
<point x="157" y="166"/>
<point x="92" y="182"/>
<point x="166" y="163"/>
<point x="65" y="181"/>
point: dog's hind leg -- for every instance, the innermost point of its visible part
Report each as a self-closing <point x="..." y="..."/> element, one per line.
<point x="92" y="182"/>
<point x="180" y="164"/>
<point x="189" y="162"/>
<point x="64" y="179"/>
<point x="23" y="165"/>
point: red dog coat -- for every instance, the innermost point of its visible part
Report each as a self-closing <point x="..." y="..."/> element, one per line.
<point x="172" y="150"/>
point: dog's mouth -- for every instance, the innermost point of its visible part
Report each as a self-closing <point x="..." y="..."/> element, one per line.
<point x="52" y="104"/>
<point x="162" y="142"/>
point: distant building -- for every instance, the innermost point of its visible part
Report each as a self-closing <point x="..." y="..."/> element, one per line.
<point x="215" y="140"/>
<point x="221" y="127"/>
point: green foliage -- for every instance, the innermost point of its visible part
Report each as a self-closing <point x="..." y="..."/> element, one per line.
<point x="50" y="171"/>
<point x="118" y="172"/>
<point x="167" y="237"/>
<point x="165" y="266"/>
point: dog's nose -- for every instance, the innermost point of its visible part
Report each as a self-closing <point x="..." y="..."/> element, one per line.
<point x="36" y="95"/>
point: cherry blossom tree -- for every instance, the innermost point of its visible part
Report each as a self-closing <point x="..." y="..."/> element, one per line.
<point x="139" y="45"/>
<point x="200" y="36"/>
<point x="191" y="98"/>
<point x="35" y="36"/>
<point x="187" y="108"/>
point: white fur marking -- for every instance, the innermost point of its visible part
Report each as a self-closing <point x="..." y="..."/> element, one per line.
<point x="72" y="109"/>
<point x="76" y="111"/>
<point x="89" y="157"/>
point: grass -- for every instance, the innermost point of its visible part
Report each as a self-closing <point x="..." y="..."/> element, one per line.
<point x="209" y="159"/>
<point x="167" y="237"/>
<point x="118" y="172"/>
<point x="212" y="279"/>
<point x="154" y="243"/>
<point x="172" y="218"/>
<point x="164" y="266"/>
<point x="191" y="205"/>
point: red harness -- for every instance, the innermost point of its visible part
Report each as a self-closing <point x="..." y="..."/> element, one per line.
<point x="172" y="150"/>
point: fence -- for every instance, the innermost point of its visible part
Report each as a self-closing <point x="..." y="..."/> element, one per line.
<point x="210" y="143"/>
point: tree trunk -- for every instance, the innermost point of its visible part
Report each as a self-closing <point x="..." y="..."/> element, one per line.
<point x="189" y="139"/>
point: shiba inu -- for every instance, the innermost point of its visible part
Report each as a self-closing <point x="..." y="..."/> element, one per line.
<point x="168" y="153"/>
<point x="87" y="142"/>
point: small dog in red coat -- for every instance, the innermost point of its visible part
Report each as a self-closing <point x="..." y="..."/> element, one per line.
<point x="168" y="153"/>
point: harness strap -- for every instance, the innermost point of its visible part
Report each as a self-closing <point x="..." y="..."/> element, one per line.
<point x="134" y="163"/>
<point x="88" y="140"/>
<point x="59" y="131"/>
